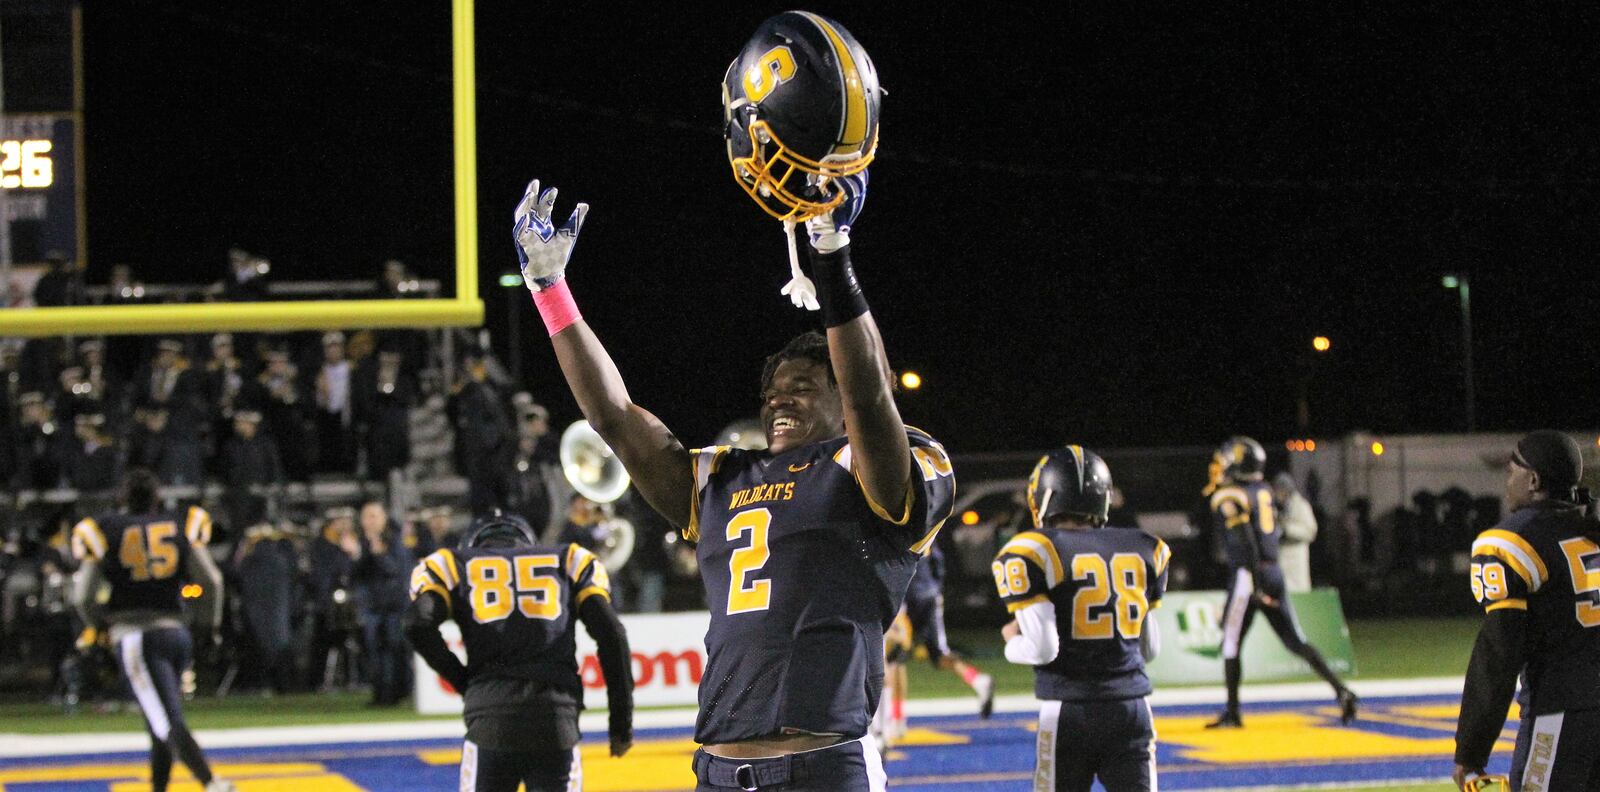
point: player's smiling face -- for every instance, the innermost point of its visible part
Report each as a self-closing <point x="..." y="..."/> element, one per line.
<point x="801" y="406"/>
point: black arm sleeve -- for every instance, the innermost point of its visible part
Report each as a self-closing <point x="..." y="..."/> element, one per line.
<point x="1497" y="659"/>
<point x="616" y="662"/>
<point x="422" y="621"/>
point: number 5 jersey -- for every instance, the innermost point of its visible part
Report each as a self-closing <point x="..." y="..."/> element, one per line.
<point x="803" y="574"/>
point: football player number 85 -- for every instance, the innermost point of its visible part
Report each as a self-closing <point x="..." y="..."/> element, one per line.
<point x="495" y="593"/>
<point x="744" y="595"/>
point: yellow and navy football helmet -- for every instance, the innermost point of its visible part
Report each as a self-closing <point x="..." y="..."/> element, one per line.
<point x="1241" y="459"/>
<point x="801" y="106"/>
<point x="1073" y="481"/>
<point x="499" y="528"/>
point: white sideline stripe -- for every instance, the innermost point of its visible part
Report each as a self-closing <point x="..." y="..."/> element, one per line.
<point x="593" y="722"/>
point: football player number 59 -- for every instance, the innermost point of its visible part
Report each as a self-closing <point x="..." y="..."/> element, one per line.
<point x="749" y="595"/>
<point x="1580" y="553"/>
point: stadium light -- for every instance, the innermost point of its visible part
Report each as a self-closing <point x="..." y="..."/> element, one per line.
<point x="1377" y="448"/>
<point x="1463" y="287"/>
<point x="1450" y="281"/>
<point x="969" y="517"/>
<point x="911" y="380"/>
<point x="1321" y="343"/>
<point x="511" y="280"/>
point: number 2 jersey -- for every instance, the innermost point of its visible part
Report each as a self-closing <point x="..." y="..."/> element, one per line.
<point x="803" y="574"/>
<point x="143" y="556"/>
<point x="517" y="608"/>
<point x="1102" y="583"/>
<point x="1545" y="559"/>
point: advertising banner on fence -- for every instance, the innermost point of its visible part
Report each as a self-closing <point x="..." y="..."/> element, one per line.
<point x="1191" y="639"/>
<point x="669" y="655"/>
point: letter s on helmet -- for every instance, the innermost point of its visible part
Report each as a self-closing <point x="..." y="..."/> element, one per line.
<point x="801" y="105"/>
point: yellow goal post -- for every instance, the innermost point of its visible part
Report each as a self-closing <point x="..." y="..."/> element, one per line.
<point x="464" y="310"/>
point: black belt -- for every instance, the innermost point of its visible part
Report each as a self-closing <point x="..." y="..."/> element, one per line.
<point x="745" y="774"/>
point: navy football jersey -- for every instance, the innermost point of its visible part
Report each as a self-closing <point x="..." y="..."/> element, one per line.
<point x="143" y="556"/>
<point x="1103" y="583"/>
<point x="1545" y="559"/>
<point x="517" y="608"/>
<point x="928" y="583"/>
<point x="803" y="574"/>
<point x="1245" y="513"/>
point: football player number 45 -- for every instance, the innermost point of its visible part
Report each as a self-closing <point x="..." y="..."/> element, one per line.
<point x="149" y="552"/>
<point x="496" y="590"/>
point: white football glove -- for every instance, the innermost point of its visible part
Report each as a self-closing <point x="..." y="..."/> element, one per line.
<point x="543" y="249"/>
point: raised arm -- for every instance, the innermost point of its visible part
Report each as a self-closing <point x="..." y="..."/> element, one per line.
<point x="658" y="464"/>
<point x="880" y="451"/>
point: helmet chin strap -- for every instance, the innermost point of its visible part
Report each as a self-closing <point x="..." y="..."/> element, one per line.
<point x="800" y="290"/>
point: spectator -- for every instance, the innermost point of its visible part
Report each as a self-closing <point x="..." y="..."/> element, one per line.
<point x="384" y="396"/>
<point x="334" y="604"/>
<point x="483" y="435"/>
<point x="103" y="387"/>
<point x="536" y="478"/>
<point x="40" y="456"/>
<point x="585" y="524"/>
<point x="1299" y="526"/>
<point x="383" y="573"/>
<point x="61" y="284"/>
<point x="269" y="565"/>
<point x="246" y="281"/>
<point x="335" y="436"/>
<point x="92" y="465"/>
<point x="223" y="384"/>
<point x="175" y="455"/>
<point x="438" y="531"/>
<point x="283" y="412"/>
<point x="250" y="463"/>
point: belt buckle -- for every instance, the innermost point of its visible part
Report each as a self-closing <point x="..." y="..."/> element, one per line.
<point x="743" y="772"/>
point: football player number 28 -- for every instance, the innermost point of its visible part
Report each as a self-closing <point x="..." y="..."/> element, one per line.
<point x="149" y="552"/>
<point x="500" y="584"/>
<point x="746" y="595"/>
<point x="1123" y="579"/>
<point x="1581" y="553"/>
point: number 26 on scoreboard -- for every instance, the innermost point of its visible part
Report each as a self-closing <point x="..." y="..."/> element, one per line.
<point x="26" y="164"/>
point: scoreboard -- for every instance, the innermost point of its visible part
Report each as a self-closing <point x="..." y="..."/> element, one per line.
<point x="41" y="131"/>
<point x="42" y="199"/>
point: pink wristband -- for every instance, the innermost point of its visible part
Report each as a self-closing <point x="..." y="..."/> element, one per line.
<point x="556" y="307"/>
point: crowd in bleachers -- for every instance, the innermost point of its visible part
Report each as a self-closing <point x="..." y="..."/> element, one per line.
<point x="253" y="427"/>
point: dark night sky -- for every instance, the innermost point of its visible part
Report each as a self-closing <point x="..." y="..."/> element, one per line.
<point x="1116" y="225"/>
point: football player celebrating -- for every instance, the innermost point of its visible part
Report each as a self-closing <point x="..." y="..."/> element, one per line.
<point x="805" y="549"/>
<point x="1242" y="509"/>
<point x="1537" y="575"/>
<point x="156" y="552"/>
<point x="1079" y="592"/>
<point x="517" y="604"/>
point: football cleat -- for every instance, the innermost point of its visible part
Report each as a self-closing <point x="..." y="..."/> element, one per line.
<point x="1348" y="704"/>
<point x="1228" y="720"/>
<point x="221" y="785"/>
<point x="984" y="685"/>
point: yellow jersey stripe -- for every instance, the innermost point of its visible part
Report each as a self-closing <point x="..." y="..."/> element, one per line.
<point x="1013" y="607"/>
<point x="435" y="564"/>
<point x="443" y="592"/>
<point x="1512" y="546"/>
<point x="1512" y="604"/>
<point x="921" y="547"/>
<point x="1038" y="547"/>
<point x="1230" y="493"/>
<point x="198" y="527"/>
<point x="593" y="591"/>
<point x="88" y="541"/>
<point x="853" y="127"/>
<point x="1163" y="555"/>
<point x="883" y="514"/>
